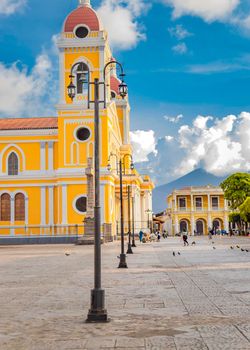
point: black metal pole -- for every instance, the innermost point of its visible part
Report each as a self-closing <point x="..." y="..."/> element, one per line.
<point x="123" y="263"/>
<point x="133" y="222"/>
<point x="129" y="251"/>
<point x="97" y="312"/>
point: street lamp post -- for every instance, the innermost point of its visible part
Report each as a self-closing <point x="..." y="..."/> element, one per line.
<point x="129" y="251"/>
<point x="97" y="311"/>
<point x="122" y="263"/>
<point x="148" y="211"/>
<point x="133" y="222"/>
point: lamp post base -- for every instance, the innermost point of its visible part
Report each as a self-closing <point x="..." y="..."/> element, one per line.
<point x="123" y="263"/>
<point x="129" y="251"/>
<point x="133" y="243"/>
<point x="97" y="313"/>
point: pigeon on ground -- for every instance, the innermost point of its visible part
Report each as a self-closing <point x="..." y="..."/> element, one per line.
<point x="247" y="250"/>
<point x="212" y="242"/>
<point x="242" y="249"/>
<point x="179" y="253"/>
<point x="238" y="246"/>
<point x="214" y="248"/>
<point x="232" y="247"/>
<point x="67" y="254"/>
<point x="193" y="243"/>
<point x="173" y="253"/>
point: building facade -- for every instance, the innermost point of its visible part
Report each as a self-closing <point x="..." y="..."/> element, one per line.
<point x="196" y="210"/>
<point x="46" y="164"/>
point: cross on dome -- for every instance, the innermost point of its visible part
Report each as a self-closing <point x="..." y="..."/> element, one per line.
<point x="84" y="3"/>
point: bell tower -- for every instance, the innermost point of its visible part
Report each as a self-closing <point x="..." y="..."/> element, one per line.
<point x="83" y="52"/>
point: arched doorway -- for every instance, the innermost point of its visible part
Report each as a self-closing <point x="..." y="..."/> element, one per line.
<point x="183" y="226"/>
<point x="216" y="224"/>
<point x="200" y="229"/>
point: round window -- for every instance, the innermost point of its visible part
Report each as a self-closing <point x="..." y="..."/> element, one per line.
<point x="81" y="32"/>
<point x="81" y="204"/>
<point x="83" y="134"/>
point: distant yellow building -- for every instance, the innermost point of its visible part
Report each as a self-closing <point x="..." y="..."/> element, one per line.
<point x="45" y="163"/>
<point x="196" y="210"/>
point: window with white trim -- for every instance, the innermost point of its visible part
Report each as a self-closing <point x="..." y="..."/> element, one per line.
<point x="215" y="202"/>
<point x="198" y="203"/>
<point x="182" y="203"/>
<point x="13" y="164"/>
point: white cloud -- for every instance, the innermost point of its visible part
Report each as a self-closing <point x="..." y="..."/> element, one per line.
<point x="120" y="20"/>
<point x="179" y="32"/>
<point x="174" y="120"/>
<point x="8" y="7"/>
<point x="209" y="10"/>
<point x="22" y="92"/>
<point x="180" y="49"/>
<point x="219" y="146"/>
<point x="143" y="143"/>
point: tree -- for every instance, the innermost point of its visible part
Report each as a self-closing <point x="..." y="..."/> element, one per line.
<point x="245" y="210"/>
<point x="236" y="189"/>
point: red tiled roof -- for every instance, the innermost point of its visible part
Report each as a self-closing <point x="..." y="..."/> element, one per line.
<point x="82" y="15"/>
<point x="114" y="84"/>
<point x="28" y="123"/>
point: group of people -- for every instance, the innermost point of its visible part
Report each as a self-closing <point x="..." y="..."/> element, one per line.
<point x="153" y="236"/>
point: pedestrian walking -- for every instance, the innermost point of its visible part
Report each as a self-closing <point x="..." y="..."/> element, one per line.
<point x="185" y="239"/>
<point x="141" y="235"/>
<point x="158" y="236"/>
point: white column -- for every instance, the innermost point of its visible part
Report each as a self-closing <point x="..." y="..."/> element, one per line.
<point x="208" y="202"/>
<point x="176" y="225"/>
<point x="64" y="205"/>
<point x="12" y="210"/>
<point x="209" y="221"/>
<point x="175" y="202"/>
<point x="226" y="223"/>
<point x="192" y="202"/>
<point x="51" y="205"/>
<point x="143" y="214"/>
<point x="42" y="156"/>
<point x="192" y="225"/>
<point x="12" y="215"/>
<point x="51" y="155"/>
<point x="43" y="205"/>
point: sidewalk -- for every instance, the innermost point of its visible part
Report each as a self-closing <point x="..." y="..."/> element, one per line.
<point x="197" y="300"/>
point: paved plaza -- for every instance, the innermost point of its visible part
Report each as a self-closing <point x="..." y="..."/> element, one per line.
<point x="199" y="299"/>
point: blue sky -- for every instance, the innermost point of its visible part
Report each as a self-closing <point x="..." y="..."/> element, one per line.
<point x="181" y="60"/>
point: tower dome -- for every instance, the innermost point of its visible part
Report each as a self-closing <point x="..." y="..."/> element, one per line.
<point x="83" y="15"/>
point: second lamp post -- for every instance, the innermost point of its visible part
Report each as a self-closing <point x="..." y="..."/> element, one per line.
<point x="120" y="172"/>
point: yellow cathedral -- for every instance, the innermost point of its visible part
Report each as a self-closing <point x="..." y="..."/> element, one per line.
<point x="46" y="164"/>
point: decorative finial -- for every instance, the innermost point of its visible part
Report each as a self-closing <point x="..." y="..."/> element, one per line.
<point x="84" y="3"/>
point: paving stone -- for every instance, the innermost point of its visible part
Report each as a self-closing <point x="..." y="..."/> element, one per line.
<point x="127" y="343"/>
<point x="190" y="344"/>
<point x="160" y="343"/>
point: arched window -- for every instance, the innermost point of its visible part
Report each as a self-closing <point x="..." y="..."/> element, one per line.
<point x="200" y="227"/>
<point x="5" y="207"/>
<point x="82" y="79"/>
<point x="13" y="164"/>
<point x="19" y="207"/>
<point x="183" y="226"/>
